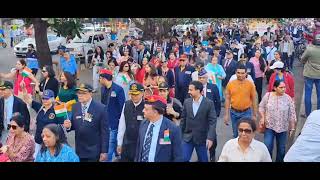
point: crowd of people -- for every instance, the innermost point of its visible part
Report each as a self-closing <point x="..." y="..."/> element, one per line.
<point x="158" y="104"/>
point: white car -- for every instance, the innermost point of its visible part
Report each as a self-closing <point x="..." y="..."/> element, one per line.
<point x="202" y="26"/>
<point x="54" y="41"/>
<point x="135" y="32"/>
<point x="84" y="47"/>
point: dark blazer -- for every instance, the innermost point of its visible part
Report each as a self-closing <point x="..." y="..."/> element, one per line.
<point x="18" y="106"/>
<point x="52" y="84"/>
<point x="114" y="103"/>
<point x="230" y="70"/>
<point x="92" y="138"/>
<point x="200" y="127"/>
<point x="164" y="152"/>
<point x="213" y="94"/>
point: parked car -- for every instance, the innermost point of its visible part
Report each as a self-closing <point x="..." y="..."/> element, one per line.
<point x="135" y="32"/>
<point x="84" y="47"/>
<point x="53" y="40"/>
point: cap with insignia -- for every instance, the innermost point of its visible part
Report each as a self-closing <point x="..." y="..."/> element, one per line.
<point x="164" y="86"/>
<point x="84" y="87"/>
<point x="136" y="88"/>
<point x="6" y="85"/>
<point x="47" y="94"/>
<point x="202" y="73"/>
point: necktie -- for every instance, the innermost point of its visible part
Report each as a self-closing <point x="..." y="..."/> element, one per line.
<point x="146" y="145"/>
<point x="84" y="108"/>
<point x="227" y="64"/>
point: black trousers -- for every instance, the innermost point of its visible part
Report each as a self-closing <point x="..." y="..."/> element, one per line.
<point x="258" y="84"/>
<point x="212" y="151"/>
<point x="286" y="60"/>
<point x="11" y="41"/>
<point x="128" y="153"/>
<point x="268" y="74"/>
<point x="291" y="61"/>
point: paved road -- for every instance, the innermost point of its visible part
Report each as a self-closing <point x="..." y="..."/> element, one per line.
<point x="224" y="133"/>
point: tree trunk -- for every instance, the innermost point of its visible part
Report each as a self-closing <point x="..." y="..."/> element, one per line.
<point x="40" y="32"/>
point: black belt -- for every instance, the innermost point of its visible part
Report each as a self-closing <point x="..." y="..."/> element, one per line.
<point x="237" y="110"/>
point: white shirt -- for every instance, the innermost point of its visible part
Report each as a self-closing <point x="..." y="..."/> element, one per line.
<point x="87" y="104"/>
<point x="285" y="47"/>
<point x="196" y="105"/>
<point x="256" y="152"/>
<point x="234" y="77"/>
<point x="8" y="110"/>
<point x="122" y="125"/>
<point x="270" y="51"/>
<point x="307" y="146"/>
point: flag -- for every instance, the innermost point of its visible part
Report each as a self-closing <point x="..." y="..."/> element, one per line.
<point x="124" y="79"/>
<point x="166" y="135"/>
<point x="26" y="72"/>
<point x="60" y="110"/>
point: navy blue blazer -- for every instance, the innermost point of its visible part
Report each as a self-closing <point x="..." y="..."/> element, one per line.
<point x="230" y="70"/>
<point x="92" y="138"/>
<point x="18" y="106"/>
<point x="164" y="152"/>
<point x="213" y="94"/>
<point x="115" y="105"/>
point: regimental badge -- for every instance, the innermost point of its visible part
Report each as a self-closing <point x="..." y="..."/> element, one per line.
<point x="52" y="116"/>
<point x="46" y="93"/>
<point x="151" y="99"/>
<point x="134" y="87"/>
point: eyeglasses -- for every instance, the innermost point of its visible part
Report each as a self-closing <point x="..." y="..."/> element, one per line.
<point x="14" y="127"/>
<point x="247" y="131"/>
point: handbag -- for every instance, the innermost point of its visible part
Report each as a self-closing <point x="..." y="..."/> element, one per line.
<point x="262" y="128"/>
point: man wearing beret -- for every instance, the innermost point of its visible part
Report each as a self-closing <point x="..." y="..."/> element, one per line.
<point x="131" y="117"/>
<point x="10" y="104"/>
<point x="159" y="139"/>
<point x="211" y="91"/>
<point x="113" y="97"/>
<point x="90" y="122"/>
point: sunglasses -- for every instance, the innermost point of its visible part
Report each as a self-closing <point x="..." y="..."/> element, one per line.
<point x="14" y="127"/>
<point x="247" y="131"/>
<point x="45" y="99"/>
<point x="44" y="71"/>
<point x="182" y="60"/>
<point x="125" y="66"/>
